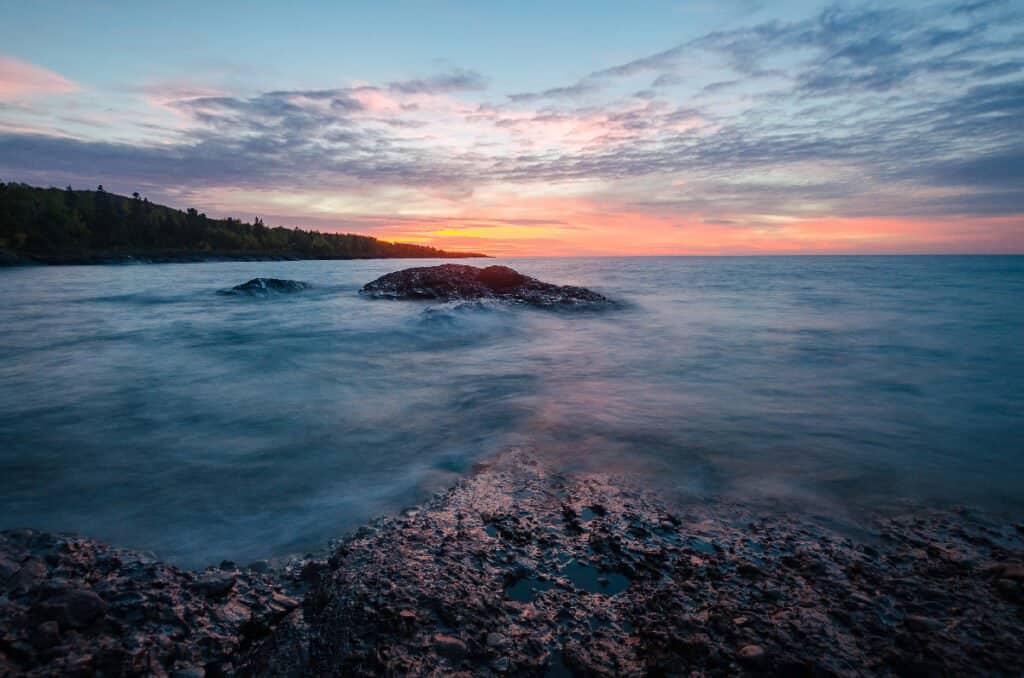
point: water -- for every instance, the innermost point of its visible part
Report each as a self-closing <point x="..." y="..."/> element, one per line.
<point x="138" y="405"/>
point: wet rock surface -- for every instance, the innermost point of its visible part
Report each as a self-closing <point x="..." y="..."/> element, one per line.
<point x="262" y="287"/>
<point x="455" y="282"/>
<point x="73" y="606"/>
<point x="519" y="570"/>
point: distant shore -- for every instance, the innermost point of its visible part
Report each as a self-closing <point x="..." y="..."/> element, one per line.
<point x="10" y="258"/>
<point x="522" y="570"/>
<point x="65" y="226"/>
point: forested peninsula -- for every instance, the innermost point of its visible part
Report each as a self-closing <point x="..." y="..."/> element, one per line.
<point x="66" y="226"/>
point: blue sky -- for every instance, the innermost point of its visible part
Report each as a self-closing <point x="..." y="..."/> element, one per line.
<point x="598" y="127"/>
<point x="524" y="45"/>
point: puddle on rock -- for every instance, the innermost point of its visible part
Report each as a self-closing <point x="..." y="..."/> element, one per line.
<point x="702" y="545"/>
<point x="592" y="580"/>
<point x="524" y="590"/>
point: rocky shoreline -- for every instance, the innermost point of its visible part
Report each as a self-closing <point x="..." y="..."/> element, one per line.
<point x="520" y="570"/>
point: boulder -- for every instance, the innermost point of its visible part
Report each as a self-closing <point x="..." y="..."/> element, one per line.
<point x="262" y="287"/>
<point x="455" y="282"/>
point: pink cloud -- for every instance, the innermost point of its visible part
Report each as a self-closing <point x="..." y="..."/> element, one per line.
<point x="20" y="80"/>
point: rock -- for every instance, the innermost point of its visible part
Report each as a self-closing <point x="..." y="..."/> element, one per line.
<point x="31" y="571"/>
<point x="916" y="622"/>
<point x="262" y="287"/>
<point x="190" y="672"/>
<point x="749" y="570"/>
<point x="1013" y="572"/>
<point x="455" y="282"/>
<point x="7" y="569"/>
<point x="76" y="606"/>
<point x="449" y="646"/>
<point x="214" y="584"/>
<point x="1009" y="589"/>
<point x="752" y="655"/>
<point x="501" y="278"/>
<point x="46" y="636"/>
<point x="77" y="609"/>
<point x="427" y="593"/>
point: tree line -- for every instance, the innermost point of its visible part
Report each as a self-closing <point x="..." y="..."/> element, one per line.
<point x="53" y="222"/>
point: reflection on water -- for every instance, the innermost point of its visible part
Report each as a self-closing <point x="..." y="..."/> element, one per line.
<point x="138" y="405"/>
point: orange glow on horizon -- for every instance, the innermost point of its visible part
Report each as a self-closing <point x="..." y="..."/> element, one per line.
<point x="576" y="227"/>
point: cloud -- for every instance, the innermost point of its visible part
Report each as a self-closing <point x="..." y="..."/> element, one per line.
<point x="20" y="80"/>
<point x="570" y="91"/>
<point x="854" y="111"/>
<point x="458" y="80"/>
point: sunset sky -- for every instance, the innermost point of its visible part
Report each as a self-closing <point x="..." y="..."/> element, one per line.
<point x="538" y="128"/>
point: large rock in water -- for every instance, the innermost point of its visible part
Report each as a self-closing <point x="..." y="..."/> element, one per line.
<point x="261" y="287"/>
<point x="456" y="282"/>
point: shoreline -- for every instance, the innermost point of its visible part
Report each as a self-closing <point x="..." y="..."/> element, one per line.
<point x="519" y="569"/>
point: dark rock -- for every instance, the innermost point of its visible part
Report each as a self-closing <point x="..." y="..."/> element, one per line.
<point x="190" y="672"/>
<point x="752" y="655"/>
<point x="262" y="287"/>
<point x="7" y="569"/>
<point x="31" y="571"/>
<point x="1010" y="571"/>
<point x="455" y="282"/>
<point x="214" y="584"/>
<point x="46" y="635"/>
<point x="1009" y="589"/>
<point x="77" y="609"/>
<point x="80" y="607"/>
<point x="449" y="646"/>
<point x="916" y="622"/>
<point x="500" y="278"/>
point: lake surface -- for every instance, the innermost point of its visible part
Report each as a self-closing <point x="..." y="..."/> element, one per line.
<point x="139" y="406"/>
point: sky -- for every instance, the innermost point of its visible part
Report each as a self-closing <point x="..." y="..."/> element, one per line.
<point x="538" y="128"/>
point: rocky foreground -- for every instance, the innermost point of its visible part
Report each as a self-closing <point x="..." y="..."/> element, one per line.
<point x="455" y="282"/>
<point x="521" y="570"/>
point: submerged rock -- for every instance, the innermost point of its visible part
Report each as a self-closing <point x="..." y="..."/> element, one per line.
<point x="261" y="287"/>
<point x="456" y="282"/>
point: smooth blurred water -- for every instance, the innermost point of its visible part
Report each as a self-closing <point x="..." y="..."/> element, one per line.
<point x="138" y="405"/>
